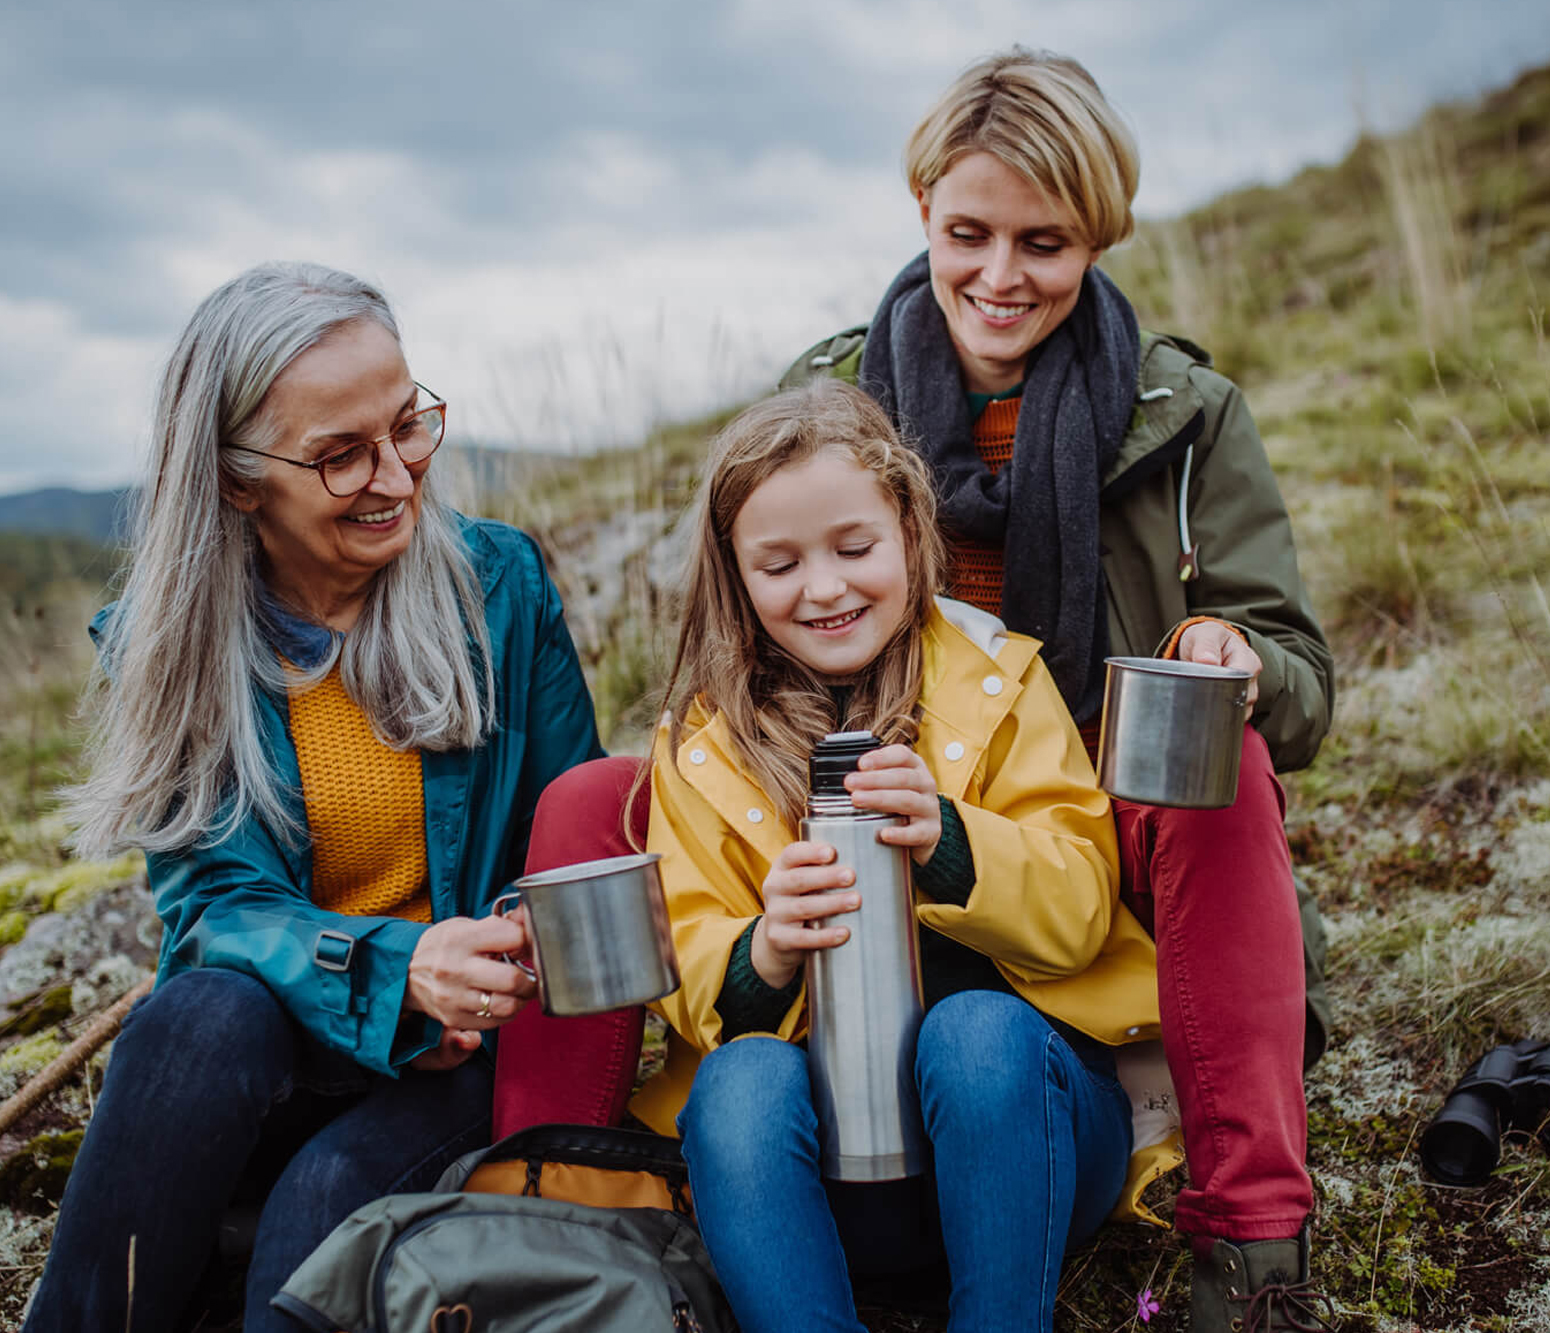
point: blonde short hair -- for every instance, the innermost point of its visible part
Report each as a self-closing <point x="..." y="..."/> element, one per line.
<point x="1045" y="117"/>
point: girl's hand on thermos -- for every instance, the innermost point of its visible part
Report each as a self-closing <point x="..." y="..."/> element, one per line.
<point x="803" y="886"/>
<point x="896" y="781"/>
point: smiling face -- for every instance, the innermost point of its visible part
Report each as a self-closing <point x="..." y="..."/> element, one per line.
<point x="1007" y="264"/>
<point x="321" y="551"/>
<point x="821" y="552"/>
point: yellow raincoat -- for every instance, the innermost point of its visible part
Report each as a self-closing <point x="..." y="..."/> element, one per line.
<point x="1045" y="905"/>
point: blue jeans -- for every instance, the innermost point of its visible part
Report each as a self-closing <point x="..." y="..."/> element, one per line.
<point x="1030" y="1151"/>
<point x="208" y="1077"/>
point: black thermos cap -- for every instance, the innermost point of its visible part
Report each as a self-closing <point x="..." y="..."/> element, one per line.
<point x="835" y="756"/>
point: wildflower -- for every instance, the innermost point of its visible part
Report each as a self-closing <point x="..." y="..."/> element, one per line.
<point x="1146" y="1306"/>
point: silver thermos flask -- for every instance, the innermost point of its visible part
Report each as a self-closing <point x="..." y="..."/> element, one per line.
<point x="864" y="999"/>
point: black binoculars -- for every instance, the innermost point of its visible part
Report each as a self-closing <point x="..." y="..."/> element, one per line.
<point x="1507" y="1090"/>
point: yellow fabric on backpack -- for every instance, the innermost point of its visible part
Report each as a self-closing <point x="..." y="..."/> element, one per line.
<point x="597" y="1186"/>
<point x="365" y="808"/>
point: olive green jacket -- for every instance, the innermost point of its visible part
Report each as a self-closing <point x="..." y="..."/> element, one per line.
<point x="1192" y="432"/>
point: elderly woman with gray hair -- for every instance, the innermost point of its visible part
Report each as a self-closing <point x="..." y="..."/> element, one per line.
<point x="330" y="706"/>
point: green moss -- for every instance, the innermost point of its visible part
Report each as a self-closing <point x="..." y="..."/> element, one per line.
<point x="14" y="879"/>
<point x="1381" y="1137"/>
<point x="13" y="925"/>
<point x="29" y="1055"/>
<point x="35" y="1176"/>
<point x="1382" y="1246"/>
<point x="45" y="1011"/>
<point x="74" y="883"/>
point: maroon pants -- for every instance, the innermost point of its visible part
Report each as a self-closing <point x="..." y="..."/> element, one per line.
<point x="573" y="1070"/>
<point x="1213" y="886"/>
<point x="1215" y="889"/>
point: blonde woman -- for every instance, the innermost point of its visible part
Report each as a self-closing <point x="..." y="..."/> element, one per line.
<point x="1071" y="454"/>
<point x="331" y="704"/>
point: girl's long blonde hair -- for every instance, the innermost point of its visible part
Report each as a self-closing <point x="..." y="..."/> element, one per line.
<point x="177" y="755"/>
<point x="776" y="708"/>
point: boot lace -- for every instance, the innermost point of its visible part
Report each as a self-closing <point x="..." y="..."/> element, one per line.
<point x="1291" y="1307"/>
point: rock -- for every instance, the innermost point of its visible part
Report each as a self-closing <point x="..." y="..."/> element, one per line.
<point x="104" y="982"/>
<point x="595" y="572"/>
<point x="58" y="947"/>
<point x="24" y="1243"/>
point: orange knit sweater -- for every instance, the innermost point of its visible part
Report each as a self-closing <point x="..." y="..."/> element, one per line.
<point x="365" y="809"/>
<point x="975" y="568"/>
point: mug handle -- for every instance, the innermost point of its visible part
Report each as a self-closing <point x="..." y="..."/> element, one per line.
<point x="499" y="908"/>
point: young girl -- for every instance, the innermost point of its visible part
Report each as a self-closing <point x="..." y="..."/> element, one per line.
<point x="811" y="610"/>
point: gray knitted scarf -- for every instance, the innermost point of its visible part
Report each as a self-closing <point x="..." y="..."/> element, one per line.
<point x="1042" y="508"/>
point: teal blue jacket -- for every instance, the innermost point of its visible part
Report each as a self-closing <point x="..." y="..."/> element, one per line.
<point x="246" y="903"/>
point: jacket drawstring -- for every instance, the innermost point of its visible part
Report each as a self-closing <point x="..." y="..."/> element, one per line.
<point x="1189" y="556"/>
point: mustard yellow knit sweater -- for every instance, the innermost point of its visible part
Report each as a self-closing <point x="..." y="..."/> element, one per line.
<point x="365" y="809"/>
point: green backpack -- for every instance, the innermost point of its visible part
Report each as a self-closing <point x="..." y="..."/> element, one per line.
<point x="479" y="1262"/>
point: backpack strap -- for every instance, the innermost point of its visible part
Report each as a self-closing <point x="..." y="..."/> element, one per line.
<point x="590" y="1164"/>
<point x="838" y="356"/>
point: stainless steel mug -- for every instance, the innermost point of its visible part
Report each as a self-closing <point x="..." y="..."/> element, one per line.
<point x="1172" y="732"/>
<point x="600" y="934"/>
<point x="864" y="998"/>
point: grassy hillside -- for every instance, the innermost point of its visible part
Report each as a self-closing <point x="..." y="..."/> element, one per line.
<point x="1386" y="316"/>
<point x="49" y="588"/>
<point x="41" y="568"/>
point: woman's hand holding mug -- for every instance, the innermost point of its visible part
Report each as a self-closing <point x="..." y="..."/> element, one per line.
<point x="458" y="976"/>
<point x="1212" y="643"/>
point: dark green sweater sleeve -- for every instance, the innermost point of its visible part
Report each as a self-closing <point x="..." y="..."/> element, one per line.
<point x="948" y="877"/>
<point x="748" y="1003"/>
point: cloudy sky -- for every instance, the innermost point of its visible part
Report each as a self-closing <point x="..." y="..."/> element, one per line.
<point x="593" y="214"/>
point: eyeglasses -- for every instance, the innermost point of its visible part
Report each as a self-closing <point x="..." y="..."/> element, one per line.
<point x="350" y="469"/>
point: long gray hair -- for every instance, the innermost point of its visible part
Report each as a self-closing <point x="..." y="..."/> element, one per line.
<point x="176" y="754"/>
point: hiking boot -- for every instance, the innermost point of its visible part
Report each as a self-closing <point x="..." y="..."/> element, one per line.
<point x="1258" y="1286"/>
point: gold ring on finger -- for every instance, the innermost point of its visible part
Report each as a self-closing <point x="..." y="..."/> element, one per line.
<point x="483" y="1011"/>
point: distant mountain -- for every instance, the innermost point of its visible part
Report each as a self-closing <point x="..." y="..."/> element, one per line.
<point x="102" y="516"/>
<point x="60" y="511"/>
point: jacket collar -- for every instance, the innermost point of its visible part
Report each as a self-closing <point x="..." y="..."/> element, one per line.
<point x="482" y="552"/>
<point x="300" y="641"/>
<point x="973" y="677"/>
<point x="1169" y="413"/>
<point x="707" y="760"/>
<point x="973" y="673"/>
